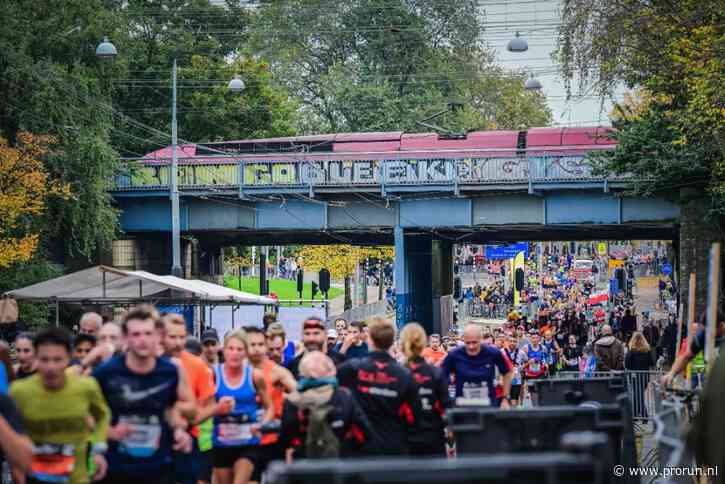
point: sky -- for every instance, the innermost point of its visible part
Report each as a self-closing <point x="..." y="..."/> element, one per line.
<point x="538" y="20"/>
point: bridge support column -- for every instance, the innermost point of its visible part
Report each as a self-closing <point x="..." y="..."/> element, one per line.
<point x="413" y="275"/>
<point x="442" y="285"/>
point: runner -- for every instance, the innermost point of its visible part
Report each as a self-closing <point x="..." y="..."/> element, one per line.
<point x="512" y="353"/>
<point x="322" y="419"/>
<point x="353" y="345"/>
<point x="553" y="350"/>
<point x="433" y="353"/>
<point x="90" y="323"/>
<point x="235" y="436"/>
<point x="201" y="383"/>
<point x="210" y="341"/>
<point x="385" y="390"/>
<point x="289" y="348"/>
<point x="314" y="339"/>
<point x="572" y="355"/>
<point x="473" y="366"/>
<point x="25" y="355"/>
<point x="429" y="437"/>
<point x="82" y="345"/>
<point x="278" y="382"/>
<point x="534" y="360"/>
<point x="55" y="406"/>
<point x="143" y="392"/>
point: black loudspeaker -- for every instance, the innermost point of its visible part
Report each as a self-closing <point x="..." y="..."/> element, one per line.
<point x="324" y="278"/>
<point x="456" y="288"/>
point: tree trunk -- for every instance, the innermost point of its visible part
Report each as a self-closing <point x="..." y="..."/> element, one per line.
<point x="348" y="295"/>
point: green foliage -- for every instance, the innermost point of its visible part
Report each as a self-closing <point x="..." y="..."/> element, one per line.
<point x="675" y="52"/>
<point x="372" y="65"/>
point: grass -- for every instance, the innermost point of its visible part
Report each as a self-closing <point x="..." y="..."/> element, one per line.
<point x="284" y="288"/>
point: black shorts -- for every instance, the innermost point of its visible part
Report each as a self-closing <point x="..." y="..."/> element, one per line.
<point x="267" y="454"/>
<point x="204" y="466"/>
<point x="515" y="392"/>
<point x="225" y="457"/>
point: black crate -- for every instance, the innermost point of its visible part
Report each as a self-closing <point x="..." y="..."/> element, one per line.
<point x="538" y="468"/>
<point x="486" y="430"/>
<point x="573" y="391"/>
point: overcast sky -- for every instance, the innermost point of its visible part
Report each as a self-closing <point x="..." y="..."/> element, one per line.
<point x="538" y="20"/>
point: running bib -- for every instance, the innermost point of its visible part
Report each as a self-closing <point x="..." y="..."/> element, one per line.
<point x="234" y="433"/>
<point x="144" y="438"/>
<point x="474" y="392"/>
<point x="535" y="366"/>
<point x="53" y="462"/>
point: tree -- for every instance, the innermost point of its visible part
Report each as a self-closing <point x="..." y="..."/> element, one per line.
<point x="673" y="140"/>
<point x="371" y="65"/>
<point x="341" y="260"/>
<point x="25" y="188"/>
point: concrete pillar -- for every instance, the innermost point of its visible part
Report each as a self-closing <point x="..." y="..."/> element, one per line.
<point x="441" y="285"/>
<point x="413" y="288"/>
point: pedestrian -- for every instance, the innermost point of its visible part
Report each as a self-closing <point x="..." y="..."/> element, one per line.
<point x="572" y="355"/>
<point x="429" y="437"/>
<point x="90" y="323"/>
<point x="609" y="351"/>
<point x="354" y="345"/>
<point x="210" y="344"/>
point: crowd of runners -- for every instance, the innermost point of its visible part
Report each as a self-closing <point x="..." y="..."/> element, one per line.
<point x="139" y="399"/>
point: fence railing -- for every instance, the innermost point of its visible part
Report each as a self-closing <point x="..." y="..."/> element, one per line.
<point x="247" y="174"/>
<point x="640" y="388"/>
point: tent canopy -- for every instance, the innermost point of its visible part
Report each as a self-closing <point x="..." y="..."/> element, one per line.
<point x="103" y="283"/>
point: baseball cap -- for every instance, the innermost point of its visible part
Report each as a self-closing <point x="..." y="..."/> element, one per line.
<point x="332" y="333"/>
<point x="209" y="335"/>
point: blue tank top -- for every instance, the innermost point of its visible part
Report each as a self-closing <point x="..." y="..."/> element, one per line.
<point x="537" y="358"/>
<point x="551" y="350"/>
<point x="141" y="402"/>
<point x="289" y="353"/>
<point x="235" y="429"/>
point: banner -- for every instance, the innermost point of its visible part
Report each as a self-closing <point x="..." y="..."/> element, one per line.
<point x="602" y="248"/>
<point x="598" y="298"/>
<point x="497" y="252"/>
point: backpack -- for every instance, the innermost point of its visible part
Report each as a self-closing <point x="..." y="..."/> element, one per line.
<point x="321" y="441"/>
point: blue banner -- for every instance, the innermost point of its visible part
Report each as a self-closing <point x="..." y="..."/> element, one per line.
<point x="497" y="252"/>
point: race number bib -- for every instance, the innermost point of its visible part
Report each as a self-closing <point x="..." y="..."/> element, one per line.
<point x="535" y="366"/>
<point x="234" y="433"/>
<point x="144" y="437"/>
<point x="52" y="462"/>
<point x="473" y="392"/>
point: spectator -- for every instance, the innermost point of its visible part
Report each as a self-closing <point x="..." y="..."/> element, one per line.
<point x="609" y="351"/>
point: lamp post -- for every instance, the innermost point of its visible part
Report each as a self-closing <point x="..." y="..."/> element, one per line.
<point x="106" y="50"/>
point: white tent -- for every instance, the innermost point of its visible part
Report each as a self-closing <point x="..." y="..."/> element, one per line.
<point x="108" y="284"/>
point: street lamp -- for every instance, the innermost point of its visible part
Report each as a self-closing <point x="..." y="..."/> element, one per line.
<point x="106" y="50"/>
<point x="517" y="44"/>
<point x="532" y="84"/>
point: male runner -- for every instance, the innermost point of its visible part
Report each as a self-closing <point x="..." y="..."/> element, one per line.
<point x="279" y="382"/>
<point x="55" y="405"/>
<point x="201" y="383"/>
<point x="142" y="391"/>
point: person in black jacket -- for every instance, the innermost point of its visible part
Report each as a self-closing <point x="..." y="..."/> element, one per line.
<point x="318" y="390"/>
<point x="628" y="325"/>
<point x="429" y="439"/>
<point x="639" y="360"/>
<point x="386" y="391"/>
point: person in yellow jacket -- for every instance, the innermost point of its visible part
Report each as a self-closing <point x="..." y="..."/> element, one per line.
<point x="55" y="406"/>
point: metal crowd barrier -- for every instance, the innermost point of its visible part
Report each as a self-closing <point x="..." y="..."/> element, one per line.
<point x="639" y="388"/>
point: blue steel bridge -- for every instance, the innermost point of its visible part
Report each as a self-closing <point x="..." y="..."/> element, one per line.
<point x="419" y="192"/>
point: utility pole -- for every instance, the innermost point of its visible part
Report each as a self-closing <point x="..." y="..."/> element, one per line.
<point x="175" y="216"/>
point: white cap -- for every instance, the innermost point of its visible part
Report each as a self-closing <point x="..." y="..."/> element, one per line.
<point x="332" y="333"/>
